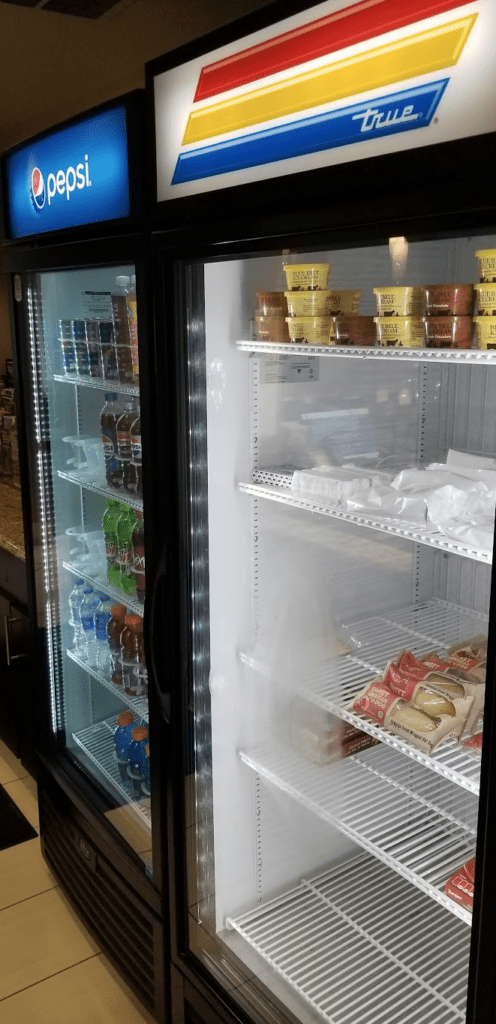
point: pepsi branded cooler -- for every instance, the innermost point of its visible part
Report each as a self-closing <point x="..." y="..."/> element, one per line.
<point x="76" y="254"/>
<point x="322" y="177"/>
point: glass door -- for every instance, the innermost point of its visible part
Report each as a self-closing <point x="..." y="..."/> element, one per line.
<point x="341" y="438"/>
<point x="91" y="582"/>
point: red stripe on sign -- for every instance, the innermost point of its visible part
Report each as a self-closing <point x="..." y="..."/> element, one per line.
<point x="354" y="24"/>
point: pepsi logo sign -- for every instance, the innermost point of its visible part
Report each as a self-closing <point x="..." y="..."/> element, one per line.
<point x="37" y="189"/>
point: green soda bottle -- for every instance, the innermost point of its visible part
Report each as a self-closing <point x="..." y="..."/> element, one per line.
<point x="125" y="526"/>
<point x="109" y="524"/>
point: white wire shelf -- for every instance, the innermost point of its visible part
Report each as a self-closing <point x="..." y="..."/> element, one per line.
<point x="398" y="812"/>
<point x="100" y="488"/>
<point x="138" y="705"/>
<point x="99" y="582"/>
<point x="95" y="382"/>
<point x="98" y="744"/>
<point x="432" y="625"/>
<point x="362" y="946"/>
<point x="395" y="527"/>
<point x="467" y="356"/>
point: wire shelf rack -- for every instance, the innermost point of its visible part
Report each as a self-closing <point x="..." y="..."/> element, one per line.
<point x="94" y="382"/>
<point x="360" y="944"/>
<point x="99" y="488"/>
<point x="416" y="355"/>
<point x="137" y="704"/>
<point x="99" y="582"/>
<point x="432" y="625"/>
<point x="97" y="743"/>
<point x="395" y="527"/>
<point x="397" y="811"/>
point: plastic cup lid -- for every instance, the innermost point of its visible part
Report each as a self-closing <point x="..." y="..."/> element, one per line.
<point x="140" y="732"/>
<point x="125" y="718"/>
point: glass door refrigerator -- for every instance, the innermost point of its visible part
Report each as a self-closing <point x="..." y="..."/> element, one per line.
<point x="76" y="254"/>
<point x="325" y="320"/>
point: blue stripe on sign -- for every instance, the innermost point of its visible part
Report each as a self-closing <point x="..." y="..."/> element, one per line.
<point x="397" y="112"/>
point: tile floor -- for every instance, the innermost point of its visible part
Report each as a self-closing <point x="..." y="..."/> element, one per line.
<point x="51" y="970"/>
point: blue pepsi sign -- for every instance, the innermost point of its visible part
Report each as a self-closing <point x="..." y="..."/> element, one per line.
<point x="78" y="175"/>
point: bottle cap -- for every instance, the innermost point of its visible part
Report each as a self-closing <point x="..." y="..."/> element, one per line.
<point x="140" y="732"/>
<point x="122" y="280"/>
<point x="135" y="622"/>
<point x="125" y="718"/>
<point x="110" y="396"/>
<point x="118" y="611"/>
<point x="88" y="590"/>
<point x="104" y="597"/>
<point x="78" y="582"/>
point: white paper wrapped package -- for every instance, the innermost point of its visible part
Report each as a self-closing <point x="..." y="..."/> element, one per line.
<point x="333" y="484"/>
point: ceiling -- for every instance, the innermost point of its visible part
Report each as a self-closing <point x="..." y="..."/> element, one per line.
<point x="60" y="57"/>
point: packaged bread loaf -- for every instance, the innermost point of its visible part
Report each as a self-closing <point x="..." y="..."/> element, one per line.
<point x="460" y="887"/>
<point x="424" y="731"/>
<point x="409" y="676"/>
<point x="446" y="682"/>
<point x="470" y="657"/>
<point x="321" y="737"/>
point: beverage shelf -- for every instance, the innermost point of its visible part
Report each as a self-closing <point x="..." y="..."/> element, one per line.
<point x="101" y="488"/>
<point x="469" y="356"/>
<point x="137" y="704"/>
<point x="99" y="582"/>
<point x="97" y="742"/>
<point x="358" y="943"/>
<point x="95" y="382"/>
<point x="432" y="625"/>
<point x="395" y="527"/>
<point x="398" y="812"/>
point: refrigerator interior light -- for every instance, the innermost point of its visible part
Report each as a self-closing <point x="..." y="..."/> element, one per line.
<point x="398" y="249"/>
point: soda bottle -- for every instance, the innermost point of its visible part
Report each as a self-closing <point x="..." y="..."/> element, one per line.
<point x="121" y="330"/>
<point x="125" y="526"/>
<point x="103" y="615"/>
<point x="89" y="606"/>
<point x="136" y="756"/>
<point x="122" y="741"/>
<point x="109" y="523"/>
<point x="136" y="455"/>
<point x="81" y="348"/>
<point x="94" y="348"/>
<point x="109" y="355"/>
<point x="115" y="625"/>
<point x="132" y="313"/>
<point x="145" y="783"/>
<point x="131" y="638"/>
<point x="108" y="421"/>
<point x="75" y="600"/>
<point x="123" y="427"/>
<point x="138" y="542"/>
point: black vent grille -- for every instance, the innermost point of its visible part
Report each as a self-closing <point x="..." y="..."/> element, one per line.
<point x="119" y="921"/>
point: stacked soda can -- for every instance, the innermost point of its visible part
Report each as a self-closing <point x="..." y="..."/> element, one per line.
<point x="485" y="322"/>
<point x="88" y="349"/>
<point x="309" y="321"/>
<point x="448" y="315"/>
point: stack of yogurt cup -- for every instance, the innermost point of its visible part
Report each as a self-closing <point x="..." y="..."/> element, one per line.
<point x="399" y="321"/>
<point x="309" y="322"/>
<point x="485" y="322"/>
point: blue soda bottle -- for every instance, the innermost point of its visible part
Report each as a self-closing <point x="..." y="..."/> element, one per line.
<point x="103" y="615"/>
<point x="136" y="757"/>
<point x="145" y="783"/>
<point x="122" y="740"/>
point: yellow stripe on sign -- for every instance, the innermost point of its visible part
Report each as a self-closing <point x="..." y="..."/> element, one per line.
<point x="426" y="51"/>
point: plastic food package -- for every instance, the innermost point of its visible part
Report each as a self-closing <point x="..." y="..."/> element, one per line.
<point x="403" y="718"/>
<point x="466" y="695"/>
<point x="322" y="738"/>
<point x="460" y="887"/>
<point x="333" y="483"/>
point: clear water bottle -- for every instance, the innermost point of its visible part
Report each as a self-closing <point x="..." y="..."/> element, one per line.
<point x="75" y="601"/>
<point x="103" y="615"/>
<point x="89" y="606"/>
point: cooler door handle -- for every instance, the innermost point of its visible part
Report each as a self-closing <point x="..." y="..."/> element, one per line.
<point x="163" y="696"/>
<point x="7" y="620"/>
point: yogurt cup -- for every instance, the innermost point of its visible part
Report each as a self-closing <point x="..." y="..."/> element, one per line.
<point x="485" y="331"/>
<point x="272" y="304"/>
<point x="272" y="328"/>
<point x="307" y="303"/>
<point x="486" y="299"/>
<point x="343" y="301"/>
<point x="448" y="331"/>
<point x="399" y="301"/>
<point x="307" y="276"/>
<point x="487" y="265"/>
<point x="400" y="331"/>
<point x="353" y="330"/>
<point x="449" y="299"/>
<point x="309" y="330"/>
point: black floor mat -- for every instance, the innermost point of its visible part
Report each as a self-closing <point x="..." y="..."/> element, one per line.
<point x="14" y="827"/>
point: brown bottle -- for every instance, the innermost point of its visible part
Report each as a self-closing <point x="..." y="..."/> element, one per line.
<point x="123" y="430"/>
<point x="136" y="454"/>
<point x="115" y="626"/>
<point x="131" y="637"/>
